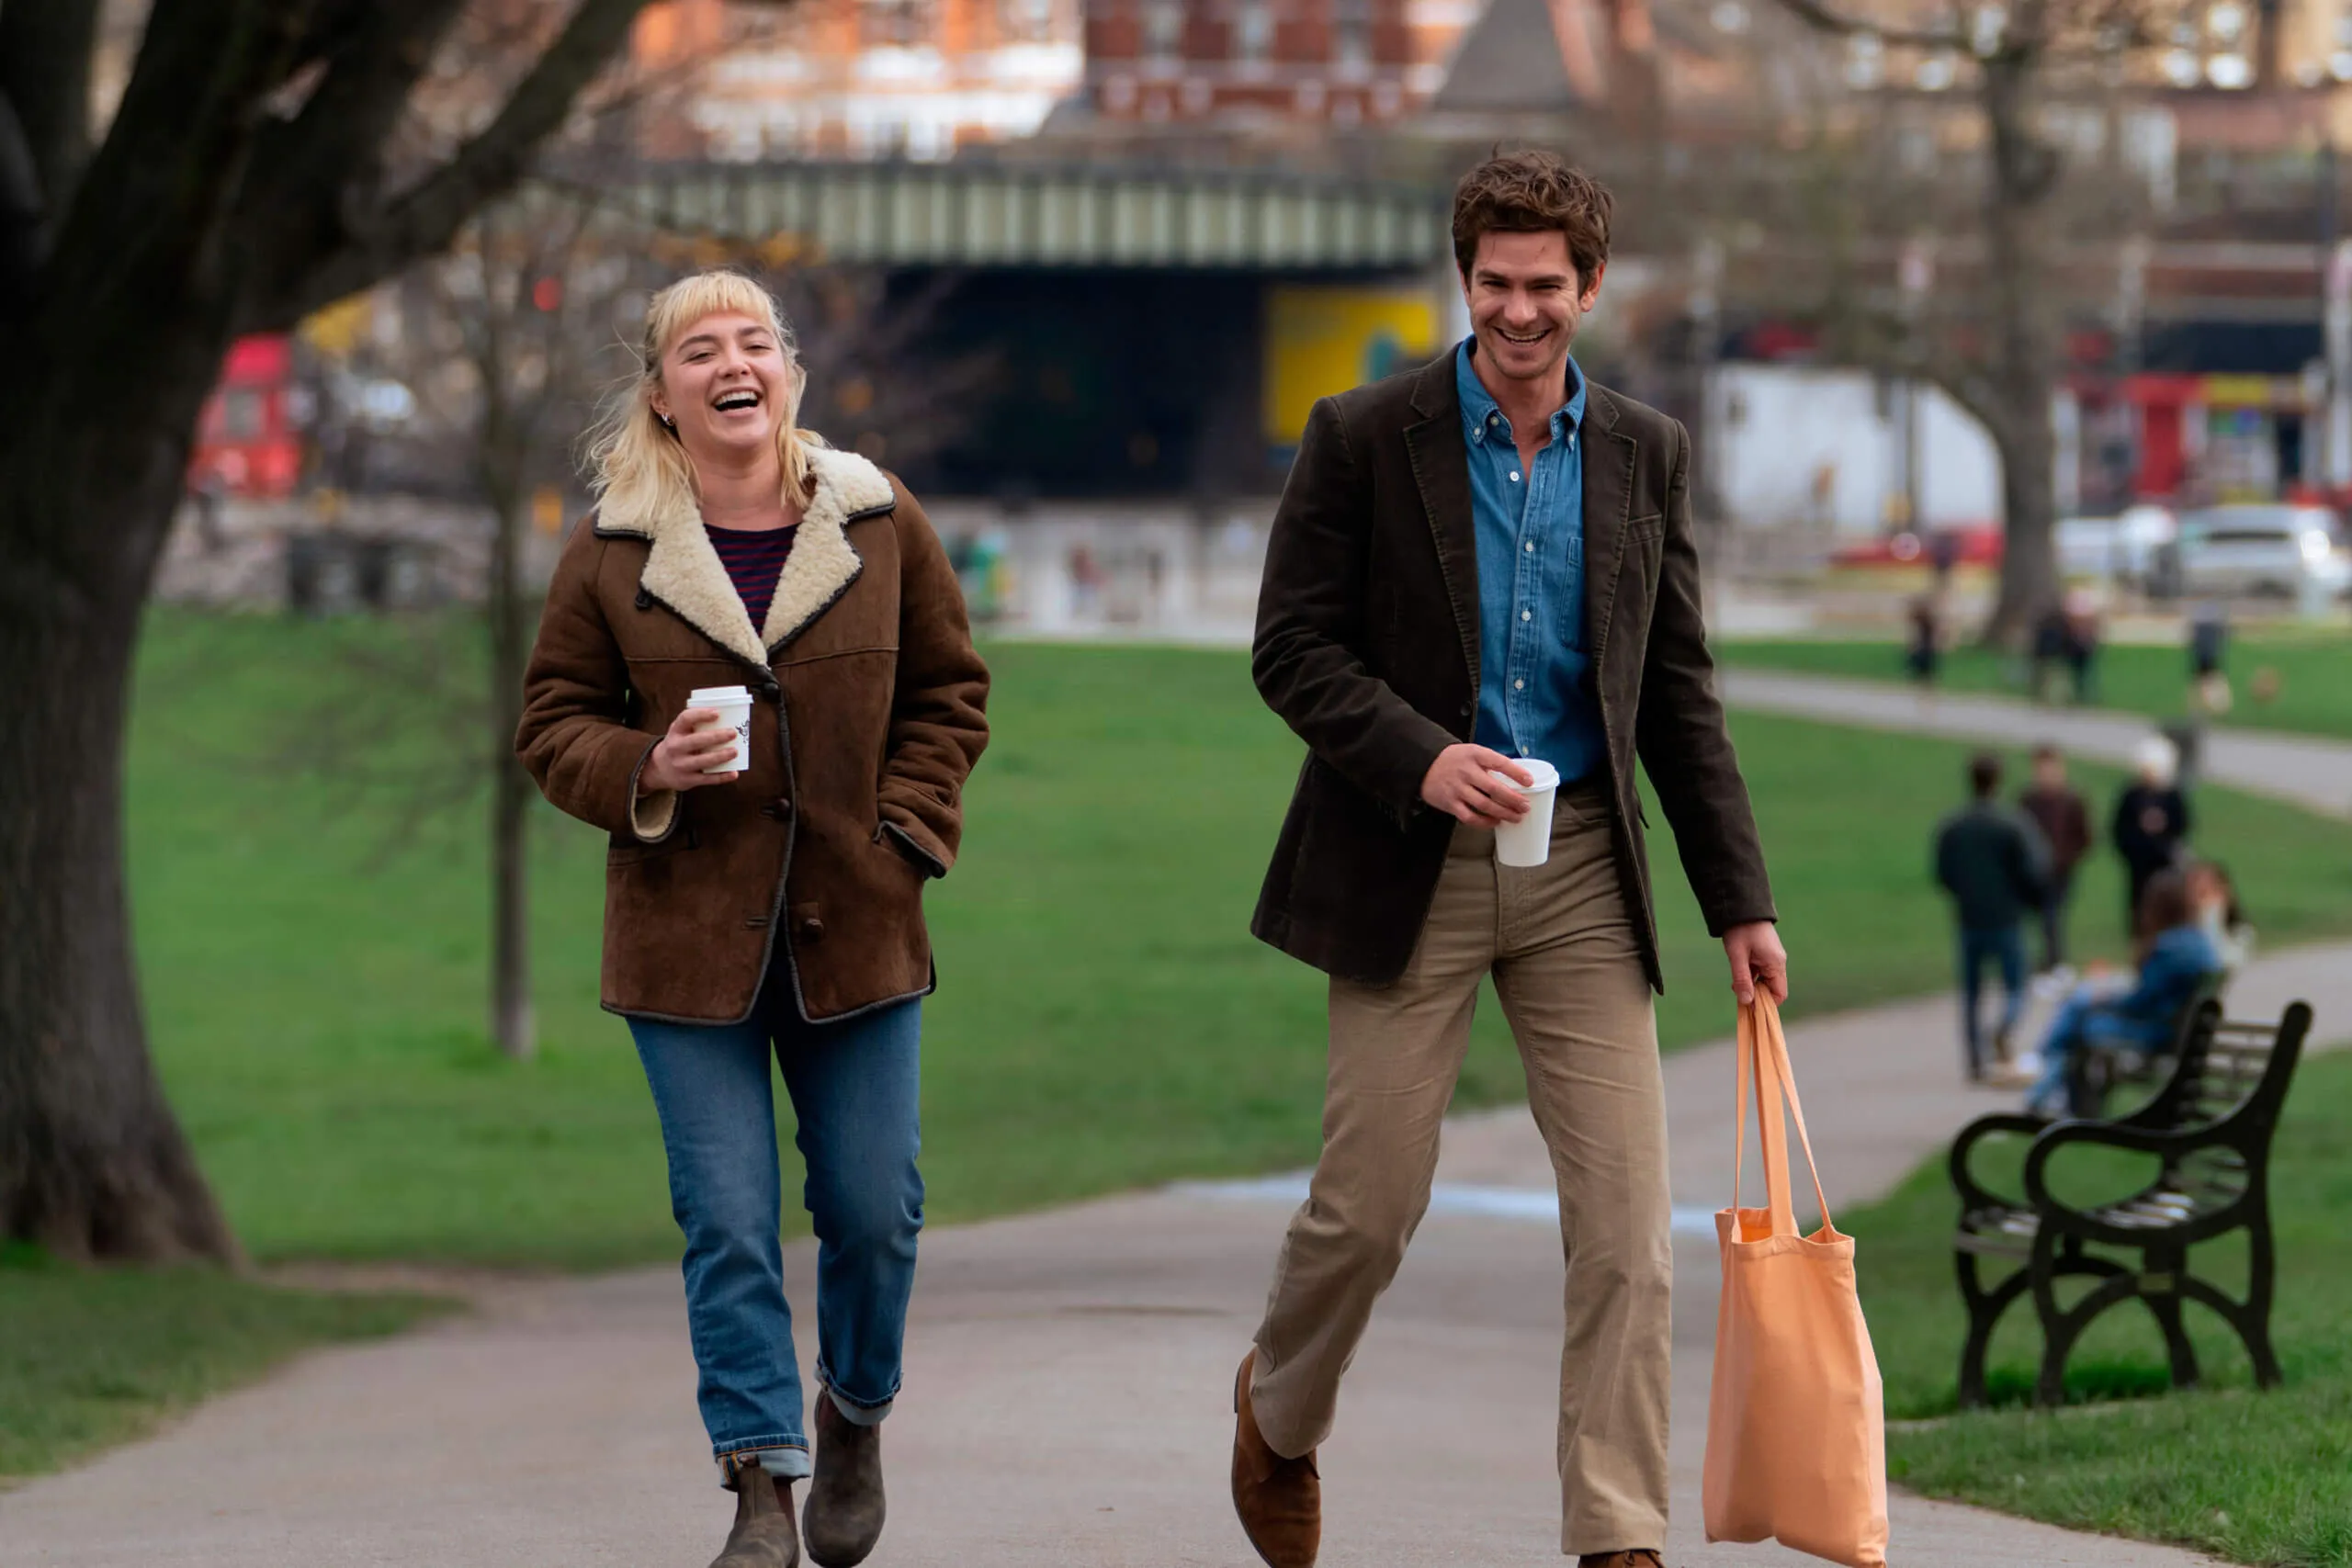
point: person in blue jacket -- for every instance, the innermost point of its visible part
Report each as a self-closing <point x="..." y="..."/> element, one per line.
<point x="2177" y="954"/>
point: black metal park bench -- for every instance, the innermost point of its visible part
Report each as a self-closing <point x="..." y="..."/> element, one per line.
<point x="2209" y="1128"/>
<point x="2101" y="1067"/>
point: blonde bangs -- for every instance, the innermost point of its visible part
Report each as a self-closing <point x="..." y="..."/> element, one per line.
<point x="636" y="467"/>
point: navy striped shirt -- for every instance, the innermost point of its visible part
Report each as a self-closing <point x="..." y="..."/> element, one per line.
<point x="754" y="559"/>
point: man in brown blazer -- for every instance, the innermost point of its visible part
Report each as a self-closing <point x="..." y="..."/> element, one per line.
<point x="1485" y="562"/>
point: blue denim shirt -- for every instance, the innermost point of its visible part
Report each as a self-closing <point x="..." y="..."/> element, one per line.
<point x="1535" y="692"/>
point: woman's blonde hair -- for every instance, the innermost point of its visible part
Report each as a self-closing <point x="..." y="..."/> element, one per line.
<point x="636" y="465"/>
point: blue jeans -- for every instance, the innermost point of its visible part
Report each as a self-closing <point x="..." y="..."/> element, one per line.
<point x="2067" y="1033"/>
<point x="2007" y="947"/>
<point x="854" y="1088"/>
<point x="2080" y="1021"/>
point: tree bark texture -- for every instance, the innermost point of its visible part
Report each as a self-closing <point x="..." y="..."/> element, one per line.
<point x="93" y="1166"/>
<point x="2023" y="358"/>
<point x="126" y="269"/>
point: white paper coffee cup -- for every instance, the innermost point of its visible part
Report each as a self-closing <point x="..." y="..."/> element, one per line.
<point x="1528" y="841"/>
<point x="733" y="705"/>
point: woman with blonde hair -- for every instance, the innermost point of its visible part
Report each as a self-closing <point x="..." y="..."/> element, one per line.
<point x="763" y="892"/>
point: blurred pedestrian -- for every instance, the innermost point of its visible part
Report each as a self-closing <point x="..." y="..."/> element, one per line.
<point x="2173" y="957"/>
<point x="1994" y="864"/>
<point x="2050" y="653"/>
<point x="1387" y="874"/>
<point x="1923" y="655"/>
<point x="728" y="547"/>
<point x="2213" y="897"/>
<point x="1943" y="553"/>
<point x="2081" y="610"/>
<point x="2152" y="824"/>
<point x="2058" y="810"/>
<point x="2209" y="646"/>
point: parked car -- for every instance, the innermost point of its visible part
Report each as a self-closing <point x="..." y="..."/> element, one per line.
<point x="2297" y="552"/>
<point x="2123" y="549"/>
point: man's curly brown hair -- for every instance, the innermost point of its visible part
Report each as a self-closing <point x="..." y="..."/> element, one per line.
<point x="1534" y="193"/>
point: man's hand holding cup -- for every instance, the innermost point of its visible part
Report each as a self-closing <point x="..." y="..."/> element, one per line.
<point x="1462" y="783"/>
<point x="698" y="740"/>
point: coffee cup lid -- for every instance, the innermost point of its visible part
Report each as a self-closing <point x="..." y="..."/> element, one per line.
<point x="704" y="696"/>
<point x="1546" y="776"/>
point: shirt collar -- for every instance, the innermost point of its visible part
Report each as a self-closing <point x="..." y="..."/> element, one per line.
<point x="1481" y="415"/>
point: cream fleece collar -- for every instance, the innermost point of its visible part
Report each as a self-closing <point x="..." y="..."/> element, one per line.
<point x="684" y="572"/>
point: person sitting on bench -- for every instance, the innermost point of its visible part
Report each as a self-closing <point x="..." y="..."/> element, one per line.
<point x="2176" y="956"/>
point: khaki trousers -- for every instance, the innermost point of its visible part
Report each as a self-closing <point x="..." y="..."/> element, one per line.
<point x="1565" y="960"/>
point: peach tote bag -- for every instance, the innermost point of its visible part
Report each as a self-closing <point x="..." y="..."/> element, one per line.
<point x="1796" y="1428"/>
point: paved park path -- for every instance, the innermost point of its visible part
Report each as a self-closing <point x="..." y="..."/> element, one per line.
<point x="2309" y="770"/>
<point x="1070" y="1373"/>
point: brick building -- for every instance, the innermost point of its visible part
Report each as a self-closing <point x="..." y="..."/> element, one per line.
<point x="856" y="78"/>
<point x="1240" y="64"/>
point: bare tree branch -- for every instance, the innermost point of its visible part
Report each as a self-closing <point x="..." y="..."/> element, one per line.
<point x="46" y="51"/>
<point x="147" y="217"/>
<point x="424" y="219"/>
<point x="1823" y="19"/>
<point x="20" y="213"/>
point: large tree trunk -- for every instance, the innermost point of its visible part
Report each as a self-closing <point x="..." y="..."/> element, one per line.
<point x="2024" y="349"/>
<point x="93" y="1166"/>
<point x="511" y="790"/>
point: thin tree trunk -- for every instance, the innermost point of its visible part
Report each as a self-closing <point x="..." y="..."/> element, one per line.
<point x="2024" y="350"/>
<point x="93" y="1166"/>
<point x="511" y="790"/>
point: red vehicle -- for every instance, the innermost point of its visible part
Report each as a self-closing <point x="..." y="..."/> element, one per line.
<point x="1980" y="546"/>
<point x="246" y="444"/>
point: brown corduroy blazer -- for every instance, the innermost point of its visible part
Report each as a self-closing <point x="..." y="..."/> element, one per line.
<point x="1367" y="645"/>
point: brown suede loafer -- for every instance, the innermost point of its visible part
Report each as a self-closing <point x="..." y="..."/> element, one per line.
<point x="1279" y="1500"/>
<point x="845" y="1503"/>
<point x="763" y="1536"/>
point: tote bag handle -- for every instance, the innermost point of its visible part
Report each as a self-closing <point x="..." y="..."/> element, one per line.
<point x="1762" y="1043"/>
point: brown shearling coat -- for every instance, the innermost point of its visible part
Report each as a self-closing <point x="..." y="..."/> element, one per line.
<point x="867" y="715"/>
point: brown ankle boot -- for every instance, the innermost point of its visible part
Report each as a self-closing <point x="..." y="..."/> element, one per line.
<point x="1279" y="1500"/>
<point x="764" y="1535"/>
<point x="845" y="1502"/>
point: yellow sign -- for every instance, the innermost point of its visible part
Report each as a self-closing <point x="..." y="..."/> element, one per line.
<point x="1325" y="339"/>
<point x="336" y="329"/>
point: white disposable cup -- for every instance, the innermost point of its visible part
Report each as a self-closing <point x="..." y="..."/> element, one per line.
<point x="733" y="705"/>
<point x="1528" y="841"/>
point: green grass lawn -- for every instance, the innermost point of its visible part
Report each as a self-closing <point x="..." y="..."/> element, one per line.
<point x="92" y="1358"/>
<point x="2314" y="669"/>
<point x="2254" y="1477"/>
<point x="1104" y="1020"/>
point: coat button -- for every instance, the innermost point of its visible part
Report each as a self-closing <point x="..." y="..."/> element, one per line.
<point x="812" y="930"/>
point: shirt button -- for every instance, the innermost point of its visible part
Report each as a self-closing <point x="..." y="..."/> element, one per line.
<point x="1514" y="476"/>
<point x="1527" y="614"/>
<point x="1531" y="546"/>
<point x="1519" y="685"/>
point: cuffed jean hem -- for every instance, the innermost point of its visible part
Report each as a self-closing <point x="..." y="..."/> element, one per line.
<point x="858" y="1414"/>
<point x="786" y="1459"/>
